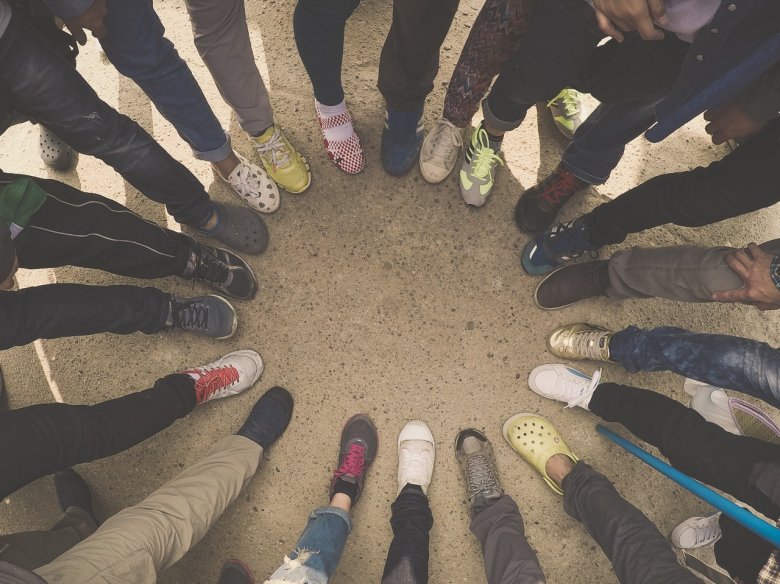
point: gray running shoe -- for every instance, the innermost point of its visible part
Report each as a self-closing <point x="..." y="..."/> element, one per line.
<point x="211" y="316"/>
<point x="566" y="109"/>
<point x="359" y="443"/>
<point x="55" y="153"/>
<point x="478" y="465"/>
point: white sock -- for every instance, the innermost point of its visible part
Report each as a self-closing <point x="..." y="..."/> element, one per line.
<point x="341" y="132"/>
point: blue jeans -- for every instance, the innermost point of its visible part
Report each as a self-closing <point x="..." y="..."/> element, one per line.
<point x="46" y="88"/>
<point x="318" y="550"/>
<point x="136" y="46"/>
<point x="723" y="361"/>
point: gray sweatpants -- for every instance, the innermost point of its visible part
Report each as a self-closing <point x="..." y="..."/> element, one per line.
<point x="637" y="550"/>
<point x="687" y="273"/>
<point x="222" y="39"/>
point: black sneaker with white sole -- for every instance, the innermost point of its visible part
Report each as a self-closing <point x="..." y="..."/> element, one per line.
<point x="210" y="316"/>
<point x="222" y="270"/>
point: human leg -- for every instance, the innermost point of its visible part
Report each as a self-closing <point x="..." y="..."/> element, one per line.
<point x="141" y="541"/>
<point x="724" y="361"/>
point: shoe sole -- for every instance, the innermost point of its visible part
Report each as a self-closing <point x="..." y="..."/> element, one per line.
<point x="536" y="292"/>
<point x="431" y="181"/>
<point x="529" y="267"/>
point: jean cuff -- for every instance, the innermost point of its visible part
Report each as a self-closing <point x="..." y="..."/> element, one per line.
<point x="584" y="176"/>
<point x="496" y="123"/>
<point x="334" y="511"/>
<point x="217" y="155"/>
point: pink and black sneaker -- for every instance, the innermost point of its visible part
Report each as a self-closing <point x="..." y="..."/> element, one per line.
<point x="359" y="443"/>
<point x="230" y="375"/>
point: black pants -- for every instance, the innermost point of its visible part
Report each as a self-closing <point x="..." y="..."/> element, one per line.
<point x="410" y="57"/>
<point x="407" y="558"/>
<point x="42" y="439"/>
<point x="746" y="180"/>
<point x="746" y="468"/>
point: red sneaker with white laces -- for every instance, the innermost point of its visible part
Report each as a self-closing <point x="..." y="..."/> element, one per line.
<point x="347" y="155"/>
<point x="359" y="443"/>
<point x="230" y="375"/>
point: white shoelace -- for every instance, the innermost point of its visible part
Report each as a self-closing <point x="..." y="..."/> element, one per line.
<point x="446" y="138"/>
<point x="275" y="149"/>
<point x="584" y="389"/>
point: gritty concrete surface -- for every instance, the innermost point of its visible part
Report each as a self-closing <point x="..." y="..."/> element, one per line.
<point x="381" y="295"/>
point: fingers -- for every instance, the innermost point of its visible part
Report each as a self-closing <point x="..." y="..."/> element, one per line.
<point x="739" y="262"/>
<point x="646" y="28"/>
<point x="99" y="31"/>
<point x="78" y="34"/>
<point x="736" y="295"/>
<point x="658" y="11"/>
<point x="608" y="27"/>
<point x="709" y="115"/>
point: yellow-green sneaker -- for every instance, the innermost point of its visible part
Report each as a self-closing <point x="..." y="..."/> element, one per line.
<point x="286" y="166"/>
<point x="566" y="109"/>
<point x="477" y="172"/>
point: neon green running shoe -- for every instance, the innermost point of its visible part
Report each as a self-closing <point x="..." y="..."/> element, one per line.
<point x="478" y="169"/>
<point x="566" y="111"/>
<point x="286" y="166"/>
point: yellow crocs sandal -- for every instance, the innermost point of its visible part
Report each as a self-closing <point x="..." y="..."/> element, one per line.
<point x="536" y="440"/>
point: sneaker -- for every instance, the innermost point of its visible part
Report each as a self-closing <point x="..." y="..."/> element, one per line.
<point x="548" y="250"/>
<point x="478" y="465"/>
<point x="254" y="186"/>
<point x="238" y="227"/>
<point x="696" y="532"/>
<point x="347" y="155"/>
<point x="285" y="165"/>
<point x="416" y="453"/>
<point x="269" y="417"/>
<point x="440" y="151"/>
<point x="235" y="572"/>
<point x="566" y="111"/>
<point x="712" y="403"/>
<point x="402" y="138"/>
<point x="55" y="153"/>
<point x="570" y="284"/>
<point x="564" y="384"/>
<point x="211" y="316"/>
<point x="478" y="169"/>
<point x="580" y="341"/>
<point x="221" y="270"/>
<point x="359" y="442"/>
<point x="72" y="491"/>
<point x="538" y="206"/>
<point x="230" y="375"/>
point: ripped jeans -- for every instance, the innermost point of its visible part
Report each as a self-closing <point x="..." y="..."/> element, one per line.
<point x="318" y="550"/>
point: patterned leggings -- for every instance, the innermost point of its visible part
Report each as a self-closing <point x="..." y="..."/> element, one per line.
<point x="494" y="38"/>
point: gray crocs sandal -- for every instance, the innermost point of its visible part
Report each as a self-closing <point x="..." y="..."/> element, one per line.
<point x="55" y="153"/>
<point x="241" y="228"/>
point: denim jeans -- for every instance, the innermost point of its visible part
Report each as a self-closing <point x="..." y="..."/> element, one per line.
<point x="318" y="550"/>
<point x="46" y="88"/>
<point x="136" y="46"/>
<point x="721" y="360"/>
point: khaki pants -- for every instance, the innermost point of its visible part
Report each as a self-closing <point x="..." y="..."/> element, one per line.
<point x="134" y="545"/>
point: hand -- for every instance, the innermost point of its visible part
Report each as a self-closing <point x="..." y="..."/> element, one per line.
<point x="730" y="123"/>
<point x="614" y="16"/>
<point x="754" y="266"/>
<point x="9" y="282"/>
<point x="93" y="19"/>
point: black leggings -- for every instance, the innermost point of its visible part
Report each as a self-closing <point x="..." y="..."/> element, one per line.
<point x="43" y="439"/>
<point x="746" y="468"/>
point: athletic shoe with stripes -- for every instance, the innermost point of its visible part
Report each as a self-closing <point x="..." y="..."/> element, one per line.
<point x="230" y="375"/>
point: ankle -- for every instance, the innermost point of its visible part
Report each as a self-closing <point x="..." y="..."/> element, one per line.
<point x="558" y="468"/>
<point x="227" y="166"/>
<point x="335" y="121"/>
<point x="344" y="490"/>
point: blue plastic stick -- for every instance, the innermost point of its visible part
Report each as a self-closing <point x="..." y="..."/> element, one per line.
<point x="758" y="526"/>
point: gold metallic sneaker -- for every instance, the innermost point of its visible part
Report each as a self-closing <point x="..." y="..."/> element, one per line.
<point x="580" y="341"/>
<point x="286" y="166"/>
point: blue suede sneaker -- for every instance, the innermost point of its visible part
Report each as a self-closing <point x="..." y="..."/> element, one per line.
<point x="269" y="417"/>
<point x="550" y="249"/>
<point x="402" y="139"/>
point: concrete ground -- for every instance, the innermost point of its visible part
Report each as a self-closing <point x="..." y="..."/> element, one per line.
<point x="380" y="295"/>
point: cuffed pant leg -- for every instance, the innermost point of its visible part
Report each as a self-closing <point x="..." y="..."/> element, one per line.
<point x="222" y="39"/>
<point x="509" y="559"/>
<point x="637" y="550"/>
<point x="407" y="558"/>
<point x="141" y="541"/>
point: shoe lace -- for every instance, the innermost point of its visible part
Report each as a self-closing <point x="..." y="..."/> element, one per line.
<point x="480" y="475"/>
<point x="559" y="187"/>
<point x="582" y="389"/>
<point x="209" y="269"/>
<point x="246" y="182"/>
<point x="707" y="530"/>
<point x="587" y="343"/>
<point x="570" y="99"/>
<point x="354" y="462"/>
<point x="567" y="242"/>
<point x="211" y="379"/>
<point x="277" y="151"/>
<point x="415" y="459"/>
<point x="485" y="158"/>
<point x="190" y="315"/>
<point x="446" y="137"/>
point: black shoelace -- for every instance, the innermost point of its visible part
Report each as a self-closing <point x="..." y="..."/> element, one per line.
<point x="209" y="269"/>
<point x="190" y="315"/>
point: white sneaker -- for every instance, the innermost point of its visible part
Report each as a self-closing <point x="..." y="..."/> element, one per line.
<point x="416" y="453"/>
<point x="696" y="532"/>
<point x="254" y="186"/>
<point x="230" y="375"/>
<point x="712" y="403"/>
<point x="440" y="151"/>
<point x="565" y="384"/>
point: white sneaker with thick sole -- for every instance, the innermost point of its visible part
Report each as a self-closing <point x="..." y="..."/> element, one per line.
<point x="696" y="532"/>
<point x="254" y="186"/>
<point x="230" y="375"/>
<point x="416" y="453"/>
<point x="440" y="151"/>
<point x="564" y="384"/>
